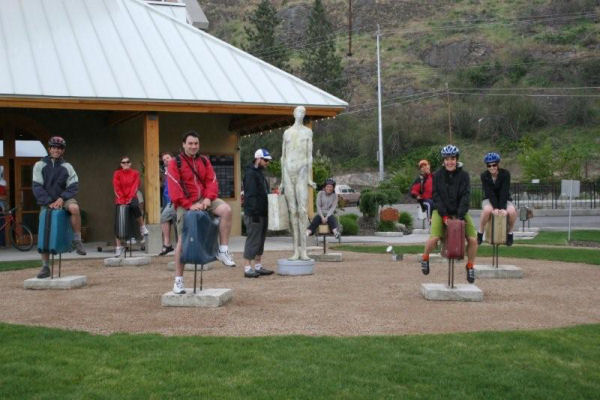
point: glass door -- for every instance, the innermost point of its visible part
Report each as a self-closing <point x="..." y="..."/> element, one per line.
<point x="27" y="209"/>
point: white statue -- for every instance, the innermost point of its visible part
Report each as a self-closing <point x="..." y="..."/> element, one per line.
<point x="296" y="175"/>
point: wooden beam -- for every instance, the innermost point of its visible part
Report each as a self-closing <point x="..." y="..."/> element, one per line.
<point x="151" y="170"/>
<point x="156" y="106"/>
<point x="118" y="117"/>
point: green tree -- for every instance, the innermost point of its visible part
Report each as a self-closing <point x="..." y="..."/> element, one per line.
<point x="537" y="163"/>
<point x="320" y="64"/>
<point x="261" y="36"/>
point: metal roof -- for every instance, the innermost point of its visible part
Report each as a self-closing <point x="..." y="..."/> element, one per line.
<point x="126" y="50"/>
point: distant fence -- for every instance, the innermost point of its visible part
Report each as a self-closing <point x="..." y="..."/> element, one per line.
<point x="545" y="195"/>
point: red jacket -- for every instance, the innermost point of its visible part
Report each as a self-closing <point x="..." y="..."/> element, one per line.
<point x="198" y="185"/>
<point x="125" y="183"/>
<point x="423" y="186"/>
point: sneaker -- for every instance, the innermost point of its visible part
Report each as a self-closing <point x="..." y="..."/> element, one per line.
<point x="44" y="272"/>
<point x="337" y="234"/>
<point x="144" y="230"/>
<point x="251" y="274"/>
<point x="509" y="239"/>
<point x="78" y="246"/>
<point x="225" y="258"/>
<point x="132" y="240"/>
<point x="119" y="251"/>
<point x="308" y="233"/>
<point x="264" y="271"/>
<point x="425" y="267"/>
<point x="166" y="250"/>
<point x="470" y="274"/>
<point x="178" y="287"/>
<point x="479" y="238"/>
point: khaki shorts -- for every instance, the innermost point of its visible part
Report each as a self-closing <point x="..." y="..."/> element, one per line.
<point x="181" y="212"/>
<point x="486" y="202"/>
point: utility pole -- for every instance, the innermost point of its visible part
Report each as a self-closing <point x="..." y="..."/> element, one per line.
<point x="349" y="28"/>
<point x="379" y="107"/>
<point x="449" y="113"/>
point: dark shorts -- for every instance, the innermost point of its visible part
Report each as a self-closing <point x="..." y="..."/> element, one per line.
<point x="256" y="233"/>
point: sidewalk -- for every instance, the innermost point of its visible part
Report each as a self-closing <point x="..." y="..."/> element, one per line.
<point x="274" y="243"/>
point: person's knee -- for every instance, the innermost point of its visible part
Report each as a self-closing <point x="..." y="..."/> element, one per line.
<point x="472" y="241"/>
<point x="487" y="209"/>
<point x="73" y="209"/>
<point x="223" y="211"/>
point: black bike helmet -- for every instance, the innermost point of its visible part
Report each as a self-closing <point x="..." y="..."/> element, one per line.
<point x="57" y="141"/>
<point x="329" y="181"/>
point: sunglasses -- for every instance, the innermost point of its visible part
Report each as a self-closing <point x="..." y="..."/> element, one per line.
<point x="492" y="165"/>
<point x="126" y="162"/>
<point x="266" y="160"/>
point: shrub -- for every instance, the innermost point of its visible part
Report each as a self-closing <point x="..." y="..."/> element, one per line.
<point x="369" y="202"/>
<point x="386" y="226"/>
<point x="349" y="224"/>
<point x="406" y="219"/>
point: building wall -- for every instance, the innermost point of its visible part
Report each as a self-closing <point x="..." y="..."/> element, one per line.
<point x="95" y="147"/>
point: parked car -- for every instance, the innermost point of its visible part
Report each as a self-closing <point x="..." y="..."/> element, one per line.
<point x="349" y="195"/>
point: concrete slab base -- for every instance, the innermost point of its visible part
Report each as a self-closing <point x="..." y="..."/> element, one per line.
<point x="204" y="298"/>
<point x="502" y="272"/>
<point x="433" y="258"/>
<point x="440" y="292"/>
<point x="64" y="282"/>
<point x="397" y="257"/>
<point x="420" y="231"/>
<point x="297" y="267"/>
<point x="129" y="261"/>
<point x="190" y="267"/>
<point x="327" y="257"/>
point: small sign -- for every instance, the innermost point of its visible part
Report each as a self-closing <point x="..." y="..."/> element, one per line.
<point x="535" y="181"/>
<point x="569" y="188"/>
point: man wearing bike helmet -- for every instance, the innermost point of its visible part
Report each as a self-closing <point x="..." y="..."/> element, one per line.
<point x="55" y="185"/>
<point x="497" y="199"/>
<point x="451" y="191"/>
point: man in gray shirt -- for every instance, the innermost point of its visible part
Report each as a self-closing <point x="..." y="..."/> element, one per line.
<point x="326" y="205"/>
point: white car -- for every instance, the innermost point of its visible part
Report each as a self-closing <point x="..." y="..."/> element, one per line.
<point x="349" y="195"/>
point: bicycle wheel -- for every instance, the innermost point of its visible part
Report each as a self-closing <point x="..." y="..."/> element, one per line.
<point x="21" y="237"/>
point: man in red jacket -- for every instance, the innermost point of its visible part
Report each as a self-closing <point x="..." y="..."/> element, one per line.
<point x="422" y="187"/>
<point x="193" y="186"/>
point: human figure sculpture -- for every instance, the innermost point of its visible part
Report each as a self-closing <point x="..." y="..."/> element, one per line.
<point x="296" y="176"/>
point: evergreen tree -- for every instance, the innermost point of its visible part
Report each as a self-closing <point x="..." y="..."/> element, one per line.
<point x="321" y="66"/>
<point x="261" y="39"/>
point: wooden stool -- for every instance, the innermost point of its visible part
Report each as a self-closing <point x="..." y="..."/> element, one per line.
<point x="324" y="231"/>
<point x="495" y="234"/>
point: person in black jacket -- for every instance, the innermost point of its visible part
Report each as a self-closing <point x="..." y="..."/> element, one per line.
<point x="496" y="196"/>
<point x="256" y="189"/>
<point x="451" y="195"/>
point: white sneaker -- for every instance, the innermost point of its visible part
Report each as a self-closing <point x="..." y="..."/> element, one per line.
<point x="144" y="230"/>
<point x="119" y="251"/>
<point x="178" y="288"/>
<point x="132" y="240"/>
<point x="225" y="258"/>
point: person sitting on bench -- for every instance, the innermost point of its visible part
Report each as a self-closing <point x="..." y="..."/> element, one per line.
<point x="451" y="195"/>
<point x="497" y="199"/>
<point x="326" y="205"/>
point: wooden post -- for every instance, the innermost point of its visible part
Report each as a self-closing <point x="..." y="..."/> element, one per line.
<point x="151" y="170"/>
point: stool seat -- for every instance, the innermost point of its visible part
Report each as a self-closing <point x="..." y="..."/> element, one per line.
<point x="324" y="229"/>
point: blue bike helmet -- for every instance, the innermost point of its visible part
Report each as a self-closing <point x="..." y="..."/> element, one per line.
<point x="450" y="151"/>
<point x="491" y="158"/>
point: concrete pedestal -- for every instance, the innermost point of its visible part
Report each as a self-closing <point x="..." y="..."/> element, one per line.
<point x="397" y="257"/>
<point x="327" y="257"/>
<point x="502" y="272"/>
<point x="441" y="292"/>
<point x="420" y="231"/>
<point x="190" y="267"/>
<point x="389" y="234"/>
<point x="154" y="240"/>
<point x="204" y="298"/>
<point x="433" y="258"/>
<point x="129" y="261"/>
<point x="297" y="267"/>
<point x="64" y="282"/>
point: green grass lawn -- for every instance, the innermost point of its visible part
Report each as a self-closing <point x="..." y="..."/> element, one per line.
<point x="560" y="238"/>
<point x="46" y="363"/>
<point x="15" y="265"/>
<point x="586" y="256"/>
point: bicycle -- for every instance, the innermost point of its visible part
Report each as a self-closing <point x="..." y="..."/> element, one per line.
<point x="20" y="235"/>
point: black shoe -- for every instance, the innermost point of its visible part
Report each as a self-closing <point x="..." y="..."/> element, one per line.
<point x="264" y="271"/>
<point x="509" y="239"/>
<point x="425" y="267"/>
<point x="470" y="275"/>
<point x="44" y="273"/>
<point x="479" y="238"/>
<point x="251" y="274"/>
<point x="166" y="250"/>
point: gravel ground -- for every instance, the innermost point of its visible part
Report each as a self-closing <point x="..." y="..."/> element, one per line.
<point x="364" y="295"/>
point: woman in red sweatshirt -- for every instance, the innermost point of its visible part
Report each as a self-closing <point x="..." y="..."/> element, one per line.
<point x="126" y="182"/>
